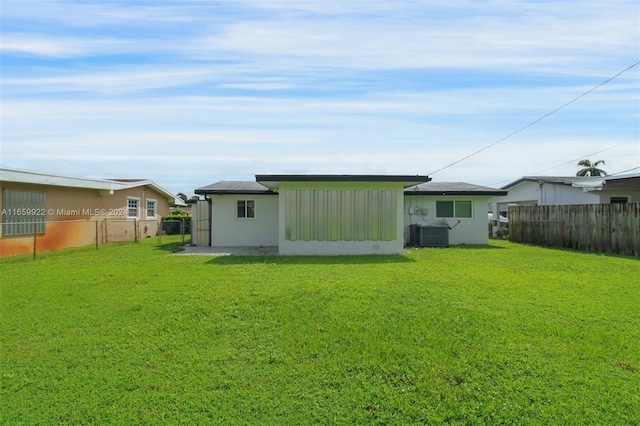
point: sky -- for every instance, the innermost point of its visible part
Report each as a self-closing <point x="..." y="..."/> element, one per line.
<point x="190" y="92"/>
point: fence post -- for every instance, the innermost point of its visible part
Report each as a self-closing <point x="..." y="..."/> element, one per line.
<point x="96" y="235"/>
<point x="135" y="230"/>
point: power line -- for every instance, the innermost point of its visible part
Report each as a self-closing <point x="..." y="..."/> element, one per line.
<point x="624" y="171"/>
<point x="563" y="164"/>
<point x="536" y="121"/>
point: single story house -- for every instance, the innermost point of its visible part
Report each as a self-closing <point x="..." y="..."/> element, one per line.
<point x="64" y="211"/>
<point x="337" y="214"/>
<point x="566" y="190"/>
<point x="612" y="189"/>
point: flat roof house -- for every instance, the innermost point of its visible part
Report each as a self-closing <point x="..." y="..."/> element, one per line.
<point x="337" y="214"/>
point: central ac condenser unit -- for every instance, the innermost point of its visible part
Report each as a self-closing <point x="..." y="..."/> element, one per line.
<point x="429" y="236"/>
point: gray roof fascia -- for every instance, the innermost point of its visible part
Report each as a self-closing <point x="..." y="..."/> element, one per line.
<point x="272" y="181"/>
<point x="233" y="192"/>
<point x="454" y="188"/>
<point x="234" y="188"/>
<point x="496" y="193"/>
<point x="559" y="180"/>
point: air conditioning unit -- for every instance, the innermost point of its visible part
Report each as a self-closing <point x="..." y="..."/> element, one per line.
<point x="429" y="236"/>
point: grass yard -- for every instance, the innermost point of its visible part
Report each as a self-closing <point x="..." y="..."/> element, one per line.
<point x="504" y="334"/>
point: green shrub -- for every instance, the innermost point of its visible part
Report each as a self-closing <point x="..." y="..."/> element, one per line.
<point x="502" y="233"/>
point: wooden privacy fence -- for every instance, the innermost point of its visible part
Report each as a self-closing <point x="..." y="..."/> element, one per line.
<point x="605" y="228"/>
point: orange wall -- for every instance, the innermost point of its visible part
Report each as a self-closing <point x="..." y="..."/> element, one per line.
<point x="72" y="214"/>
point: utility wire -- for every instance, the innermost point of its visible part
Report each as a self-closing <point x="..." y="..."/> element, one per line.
<point x="563" y="164"/>
<point x="536" y="121"/>
<point x="624" y="171"/>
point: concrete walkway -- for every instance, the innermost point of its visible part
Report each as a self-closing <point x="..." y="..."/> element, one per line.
<point x="228" y="251"/>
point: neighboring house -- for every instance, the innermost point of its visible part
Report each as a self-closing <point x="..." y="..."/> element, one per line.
<point x="613" y="189"/>
<point x="63" y="211"/>
<point x="550" y="191"/>
<point x="337" y="214"/>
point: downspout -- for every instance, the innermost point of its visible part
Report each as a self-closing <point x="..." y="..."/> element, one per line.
<point x="210" y="202"/>
<point x="541" y="189"/>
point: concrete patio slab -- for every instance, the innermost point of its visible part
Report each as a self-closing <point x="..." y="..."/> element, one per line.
<point x="228" y="251"/>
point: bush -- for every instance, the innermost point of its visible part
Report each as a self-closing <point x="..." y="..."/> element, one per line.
<point x="502" y="233"/>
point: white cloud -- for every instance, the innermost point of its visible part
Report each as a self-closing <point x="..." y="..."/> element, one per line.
<point x="91" y="14"/>
<point x="516" y="36"/>
<point x="194" y="91"/>
<point x="63" y="46"/>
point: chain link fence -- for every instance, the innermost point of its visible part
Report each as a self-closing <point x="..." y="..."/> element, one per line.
<point x="41" y="236"/>
<point x="180" y="227"/>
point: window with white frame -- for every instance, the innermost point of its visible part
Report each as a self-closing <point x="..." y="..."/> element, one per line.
<point x="454" y="209"/>
<point x="152" y="208"/>
<point x="246" y="209"/>
<point x="23" y="212"/>
<point x="133" y="207"/>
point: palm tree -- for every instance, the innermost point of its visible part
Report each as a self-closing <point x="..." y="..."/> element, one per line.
<point x="589" y="169"/>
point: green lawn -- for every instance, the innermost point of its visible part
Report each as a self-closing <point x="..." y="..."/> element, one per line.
<point x="504" y="334"/>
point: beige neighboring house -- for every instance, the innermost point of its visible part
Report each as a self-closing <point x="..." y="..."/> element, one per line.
<point x="62" y="211"/>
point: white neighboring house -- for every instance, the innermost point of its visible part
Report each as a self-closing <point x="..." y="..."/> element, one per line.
<point x="337" y="214"/>
<point x="553" y="190"/>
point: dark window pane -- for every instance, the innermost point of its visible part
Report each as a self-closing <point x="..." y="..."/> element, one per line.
<point x="444" y="208"/>
<point x="463" y="209"/>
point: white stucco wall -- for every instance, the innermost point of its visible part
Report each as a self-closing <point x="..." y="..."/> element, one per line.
<point x="228" y="230"/>
<point x="472" y="230"/>
<point x="394" y="246"/>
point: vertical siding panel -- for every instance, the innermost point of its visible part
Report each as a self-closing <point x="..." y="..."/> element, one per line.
<point x="389" y="215"/>
<point x="392" y="225"/>
<point x="361" y="224"/>
<point x="333" y="215"/>
<point x="289" y="201"/>
<point x="304" y="212"/>
<point x="374" y="209"/>
<point x="322" y="216"/>
<point x="347" y="216"/>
